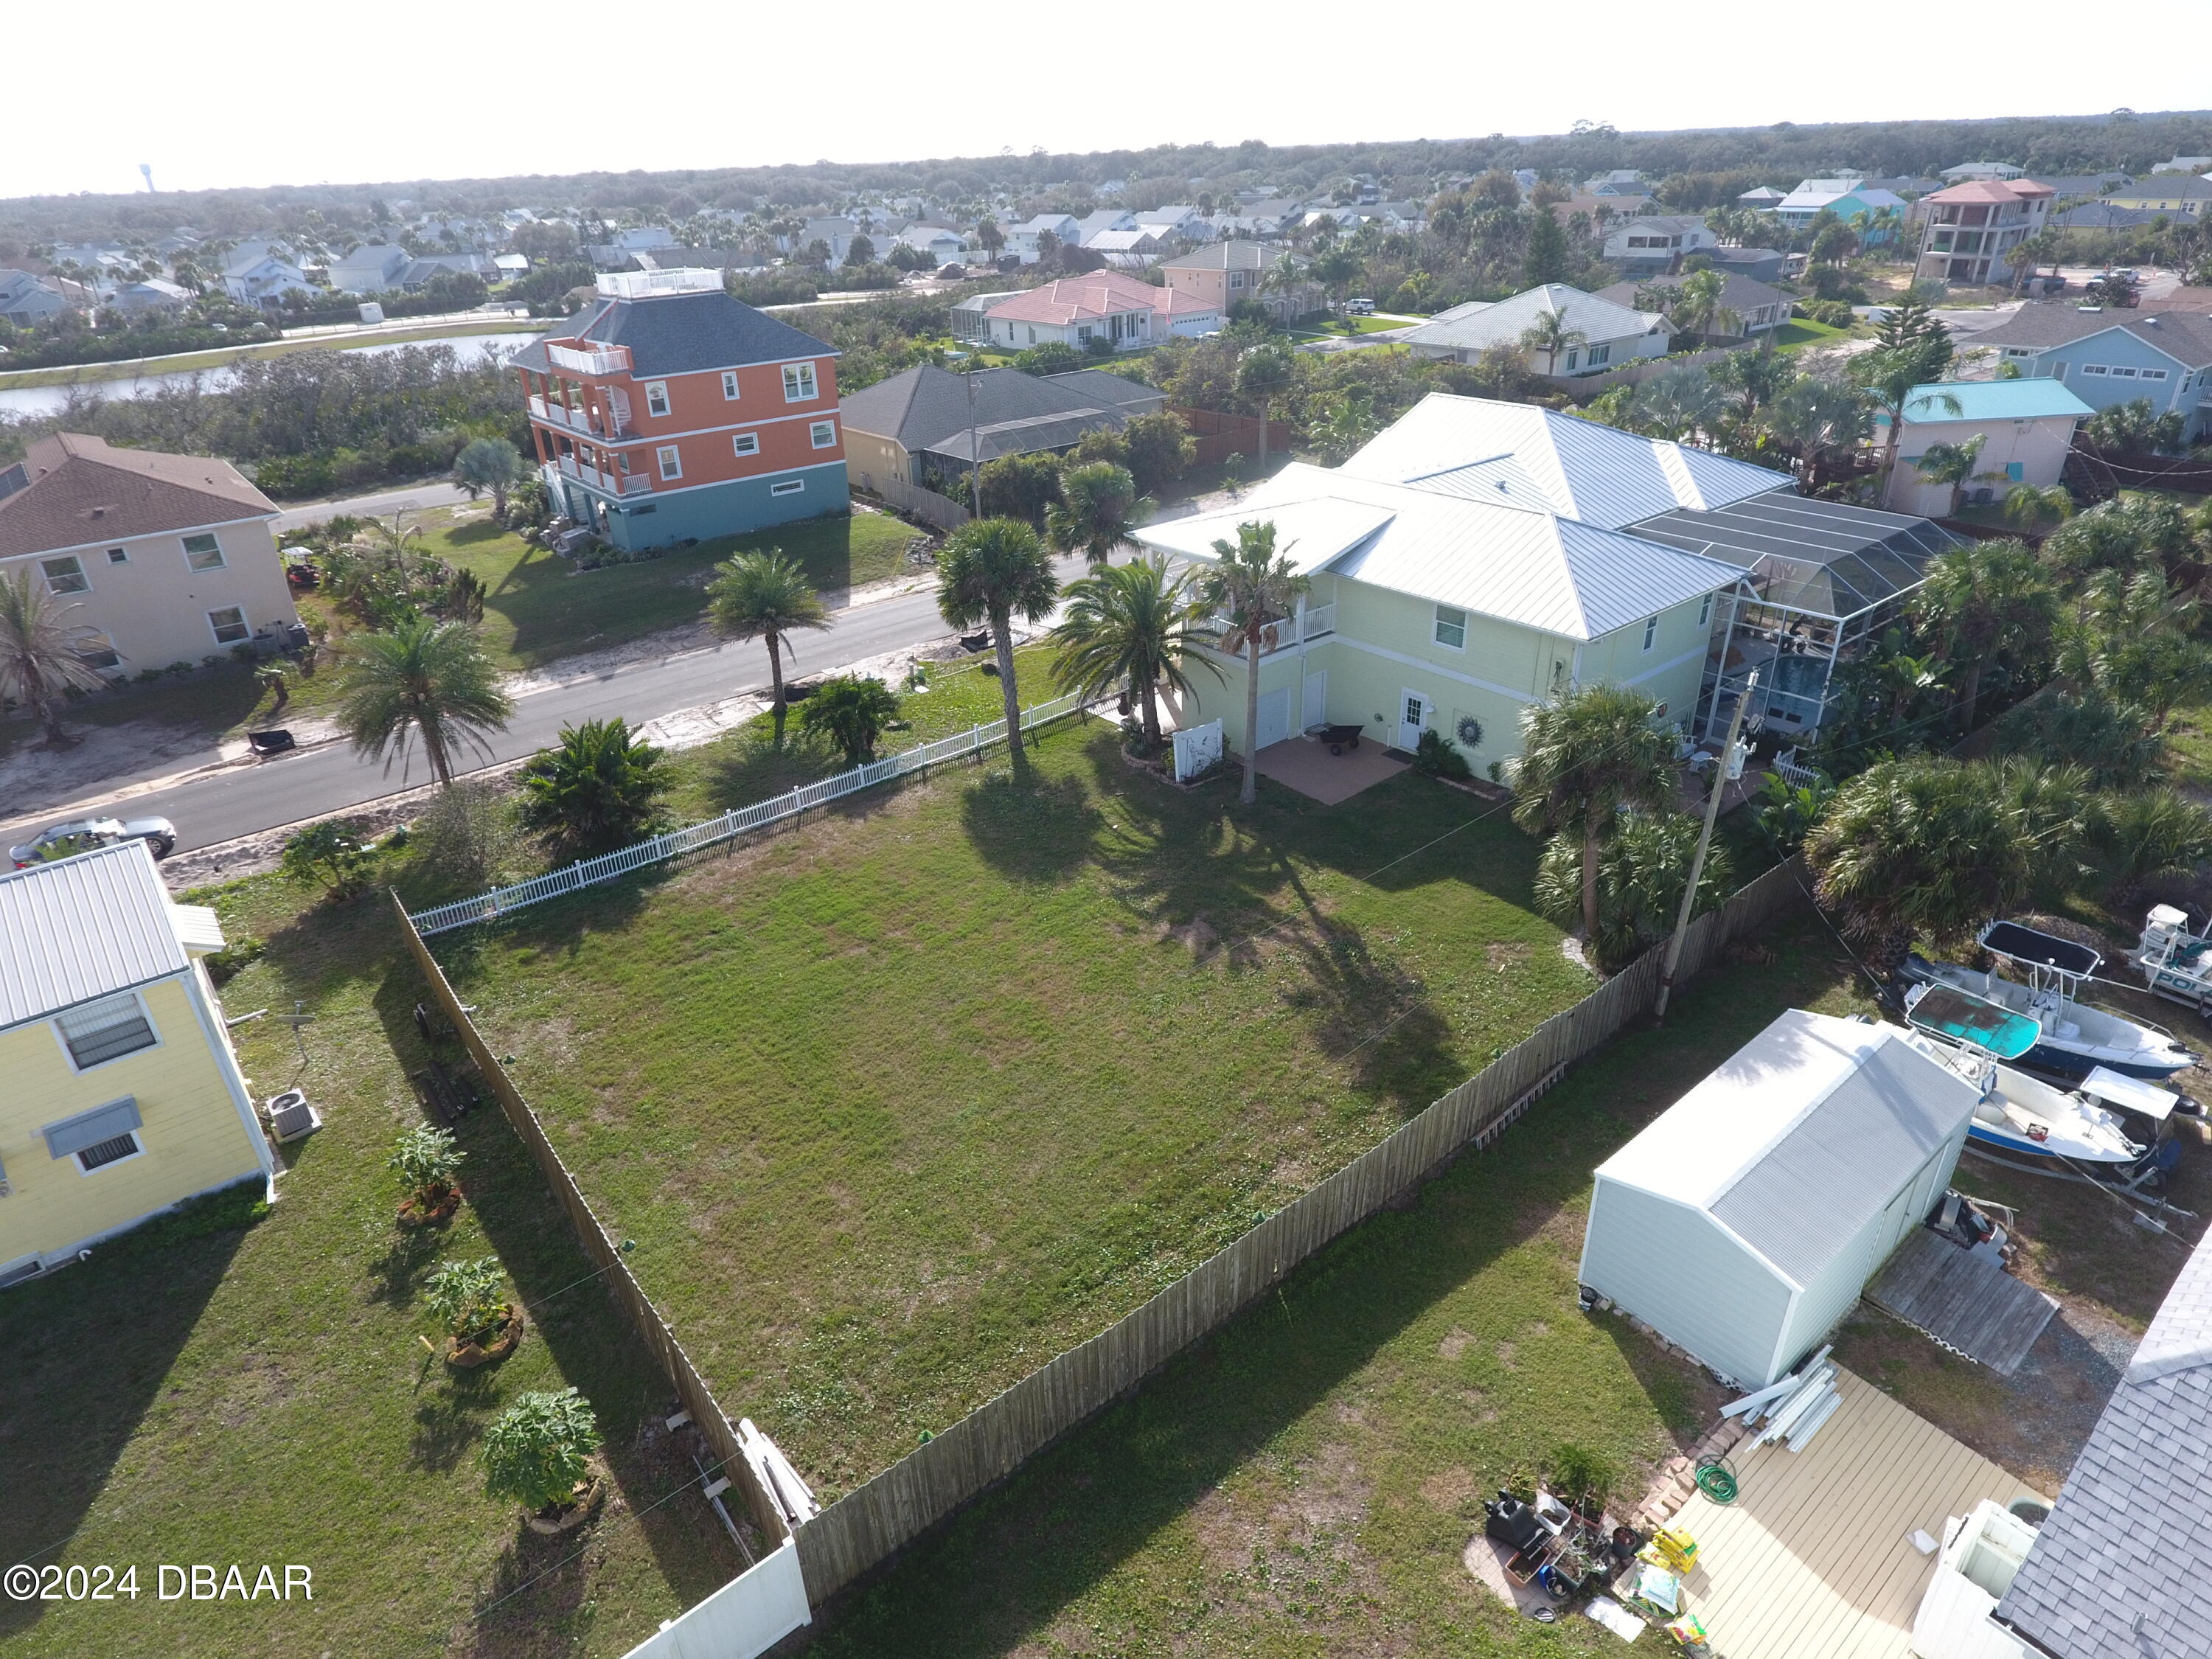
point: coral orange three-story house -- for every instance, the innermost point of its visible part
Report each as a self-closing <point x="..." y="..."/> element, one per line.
<point x="667" y="410"/>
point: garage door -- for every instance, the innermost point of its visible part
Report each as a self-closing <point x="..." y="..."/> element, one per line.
<point x="1274" y="717"/>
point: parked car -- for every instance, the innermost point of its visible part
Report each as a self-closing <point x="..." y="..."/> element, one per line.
<point x="1361" y="307"/>
<point x="58" y="841"/>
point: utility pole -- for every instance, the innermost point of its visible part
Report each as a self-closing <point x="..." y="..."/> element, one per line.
<point x="1722" y="768"/>
<point x="975" y="441"/>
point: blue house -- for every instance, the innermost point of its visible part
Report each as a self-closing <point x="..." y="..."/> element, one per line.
<point x="2108" y="357"/>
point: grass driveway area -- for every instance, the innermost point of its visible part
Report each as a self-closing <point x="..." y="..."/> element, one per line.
<point x="902" y="1102"/>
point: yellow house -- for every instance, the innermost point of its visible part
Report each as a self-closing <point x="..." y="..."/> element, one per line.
<point x="120" y="1096"/>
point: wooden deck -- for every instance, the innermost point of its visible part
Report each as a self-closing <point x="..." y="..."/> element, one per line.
<point x="1812" y="1561"/>
<point x="1966" y="1302"/>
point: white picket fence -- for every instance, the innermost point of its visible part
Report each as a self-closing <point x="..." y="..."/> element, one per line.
<point x="503" y="901"/>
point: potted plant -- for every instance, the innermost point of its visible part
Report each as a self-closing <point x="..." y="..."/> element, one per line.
<point x="538" y="1453"/>
<point x="428" y="1162"/>
<point x="469" y="1301"/>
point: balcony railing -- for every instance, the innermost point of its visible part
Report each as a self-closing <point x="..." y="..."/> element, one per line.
<point x="597" y="360"/>
<point x="615" y="483"/>
<point x="1291" y="632"/>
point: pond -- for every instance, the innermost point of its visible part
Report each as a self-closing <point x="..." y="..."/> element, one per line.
<point x="46" y="399"/>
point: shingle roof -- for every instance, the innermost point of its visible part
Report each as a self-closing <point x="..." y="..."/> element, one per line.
<point x="1503" y="323"/>
<point x="76" y="489"/>
<point x="1109" y="391"/>
<point x="2185" y="338"/>
<point x="1238" y="255"/>
<point x="1578" y="469"/>
<point x="83" y="927"/>
<point x="922" y="407"/>
<point x="1521" y="565"/>
<point x="2165" y="187"/>
<point x="1739" y="293"/>
<point x="679" y="334"/>
<point x="2119" y="1569"/>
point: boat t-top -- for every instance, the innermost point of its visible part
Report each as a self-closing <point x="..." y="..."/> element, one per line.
<point x="2098" y="1123"/>
<point x="2074" y="1038"/>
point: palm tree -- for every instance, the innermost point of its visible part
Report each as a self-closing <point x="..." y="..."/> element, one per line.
<point x="1818" y="416"/>
<point x="1911" y="350"/>
<point x="1952" y="465"/>
<point x="1550" y="335"/>
<point x="1252" y="588"/>
<point x="763" y="595"/>
<point x="426" y="679"/>
<point x="1983" y="600"/>
<point x="1264" y="375"/>
<point x="1285" y="276"/>
<point x="992" y="570"/>
<point x="1928" y="847"/>
<point x="1698" y="309"/>
<point x="488" y="463"/>
<point x="1097" y="505"/>
<point x="1586" y="754"/>
<point x="1128" y="624"/>
<point x="600" y="790"/>
<point x="1677" y="401"/>
<point x="2026" y="503"/>
<point x="853" y="713"/>
<point x="38" y="658"/>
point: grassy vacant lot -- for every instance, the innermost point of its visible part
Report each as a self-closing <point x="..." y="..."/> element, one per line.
<point x="1303" y="1483"/>
<point x="257" y="1393"/>
<point x="1803" y="332"/>
<point x="903" y="1102"/>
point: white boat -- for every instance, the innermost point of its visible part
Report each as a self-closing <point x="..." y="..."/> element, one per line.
<point x="2075" y="1038"/>
<point x="2174" y="963"/>
<point x="2017" y="1113"/>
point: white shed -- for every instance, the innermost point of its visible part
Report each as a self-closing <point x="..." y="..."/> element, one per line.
<point x="1745" y="1221"/>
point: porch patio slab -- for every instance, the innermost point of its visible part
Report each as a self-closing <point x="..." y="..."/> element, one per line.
<point x="1814" y="1559"/>
<point x="1310" y="770"/>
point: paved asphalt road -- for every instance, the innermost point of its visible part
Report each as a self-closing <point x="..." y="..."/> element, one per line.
<point x="243" y="800"/>
<point x="436" y="493"/>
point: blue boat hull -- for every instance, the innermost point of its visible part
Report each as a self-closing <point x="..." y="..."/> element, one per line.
<point x="2047" y="1056"/>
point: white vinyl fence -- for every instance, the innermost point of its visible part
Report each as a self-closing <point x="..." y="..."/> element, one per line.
<point x="749" y="1615"/>
<point x="487" y="907"/>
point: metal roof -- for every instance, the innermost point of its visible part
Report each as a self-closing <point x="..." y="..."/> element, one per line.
<point x="1800" y="1138"/>
<point x="2023" y="399"/>
<point x="85" y="927"/>
<point x="1579" y="469"/>
<point x="1823" y="557"/>
<point x="1503" y="323"/>
<point x="2118" y="1569"/>
<point x="1520" y="564"/>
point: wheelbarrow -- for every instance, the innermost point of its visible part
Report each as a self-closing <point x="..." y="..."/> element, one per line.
<point x="1338" y="737"/>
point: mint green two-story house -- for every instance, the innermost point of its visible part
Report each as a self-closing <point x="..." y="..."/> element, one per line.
<point x="1479" y="555"/>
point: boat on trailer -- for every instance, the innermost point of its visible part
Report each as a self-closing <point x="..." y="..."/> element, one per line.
<point x="2075" y="1038"/>
<point x="2174" y="963"/>
<point x="2020" y="1115"/>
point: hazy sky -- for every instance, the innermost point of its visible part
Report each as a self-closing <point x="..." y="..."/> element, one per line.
<point x="255" y="93"/>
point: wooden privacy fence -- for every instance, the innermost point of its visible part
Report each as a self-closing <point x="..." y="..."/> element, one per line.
<point x="939" y="512"/>
<point x="866" y="1526"/>
<point x="1220" y="435"/>
<point x="738" y="821"/>
<point x="721" y="1436"/>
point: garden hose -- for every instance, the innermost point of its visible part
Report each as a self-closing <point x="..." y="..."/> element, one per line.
<point x="1716" y="1480"/>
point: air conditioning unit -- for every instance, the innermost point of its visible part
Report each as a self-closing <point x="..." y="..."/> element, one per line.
<point x="290" y="1117"/>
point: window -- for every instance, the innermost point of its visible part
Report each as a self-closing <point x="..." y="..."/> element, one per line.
<point x="729" y="386"/>
<point x="656" y="397"/>
<point x="64" y="575"/>
<point x="1650" y="631"/>
<point x="117" y="555"/>
<point x="1032" y="335"/>
<point x="671" y="462"/>
<point x="1451" y="627"/>
<point x="2016" y="472"/>
<point x="1705" y="610"/>
<point x="2124" y="374"/>
<point x="2154" y="374"/>
<point x="108" y="1151"/>
<point x="1600" y="353"/>
<point x="823" y="434"/>
<point x="104" y="1031"/>
<point x="745" y="443"/>
<point x="97" y="650"/>
<point x="798" y="383"/>
<point x="203" y="553"/>
<point x="2094" y="369"/>
<point x="1572" y="356"/>
<point x="229" y="625"/>
<point x="1236" y="279"/>
<point x="789" y="487"/>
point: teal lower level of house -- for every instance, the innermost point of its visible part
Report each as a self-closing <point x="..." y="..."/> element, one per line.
<point x="668" y="514"/>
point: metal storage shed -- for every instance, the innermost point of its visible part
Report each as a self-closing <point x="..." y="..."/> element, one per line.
<point x="1745" y="1221"/>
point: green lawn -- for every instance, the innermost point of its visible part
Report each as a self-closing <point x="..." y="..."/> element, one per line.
<point x="258" y="1394"/>
<point x="1356" y="326"/>
<point x="186" y="362"/>
<point x="1303" y="1483"/>
<point x="902" y="1102"/>
<point x="1803" y="332"/>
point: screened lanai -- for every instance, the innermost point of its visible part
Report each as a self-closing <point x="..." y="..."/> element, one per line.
<point x="1819" y="578"/>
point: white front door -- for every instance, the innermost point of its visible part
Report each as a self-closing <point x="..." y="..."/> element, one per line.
<point x="1274" y="718"/>
<point x="1414" y="713"/>
<point x="1317" y="695"/>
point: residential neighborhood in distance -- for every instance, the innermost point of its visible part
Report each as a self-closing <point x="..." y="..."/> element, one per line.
<point x="1414" y="896"/>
